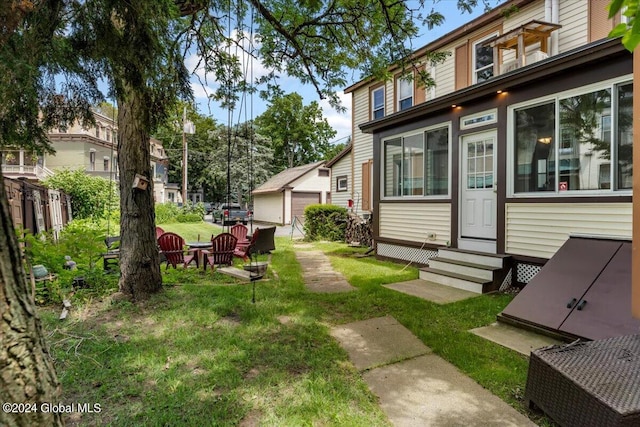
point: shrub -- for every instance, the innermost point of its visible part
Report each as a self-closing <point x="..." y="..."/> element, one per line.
<point x="189" y="217"/>
<point x="325" y="222"/>
<point x="166" y="212"/>
<point x="83" y="241"/>
<point x="91" y="196"/>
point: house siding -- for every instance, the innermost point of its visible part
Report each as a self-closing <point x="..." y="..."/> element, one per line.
<point x="268" y="208"/>
<point x="363" y="143"/>
<point x="539" y="229"/>
<point x="341" y="168"/>
<point x="416" y="222"/>
<point x="574" y="18"/>
<point x="311" y="182"/>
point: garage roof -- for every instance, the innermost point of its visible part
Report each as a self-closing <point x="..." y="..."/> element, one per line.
<point x="282" y="181"/>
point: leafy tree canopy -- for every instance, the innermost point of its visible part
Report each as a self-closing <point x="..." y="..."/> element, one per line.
<point x="299" y="134"/>
<point x="629" y="31"/>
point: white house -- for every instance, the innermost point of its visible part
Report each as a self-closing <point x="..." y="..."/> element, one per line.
<point x="284" y="197"/>
<point x="341" y="179"/>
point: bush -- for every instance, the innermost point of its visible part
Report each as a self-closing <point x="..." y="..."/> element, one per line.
<point x="83" y="241"/>
<point x="325" y="222"/>
<point x="91" y="196"/>
<point x="166" y="212"/>
<point x="189" y="217"/>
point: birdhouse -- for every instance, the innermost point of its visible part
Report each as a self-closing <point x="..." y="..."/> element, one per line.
<point x="140" y="182"/>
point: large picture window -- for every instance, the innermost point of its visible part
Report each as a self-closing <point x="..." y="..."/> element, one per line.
<point x="593" y="132"/>
<point x="417" y="164"/>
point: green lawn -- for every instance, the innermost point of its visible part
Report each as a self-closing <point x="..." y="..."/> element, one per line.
<point x="200" y="353"/>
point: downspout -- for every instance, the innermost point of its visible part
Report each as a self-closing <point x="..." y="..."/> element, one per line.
<point x="551" y="14"/>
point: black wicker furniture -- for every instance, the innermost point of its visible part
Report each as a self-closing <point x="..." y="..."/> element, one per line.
<point x="593" y="383"/>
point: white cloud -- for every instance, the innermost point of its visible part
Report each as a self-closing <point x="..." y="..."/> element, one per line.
<point x="340" y="122"/>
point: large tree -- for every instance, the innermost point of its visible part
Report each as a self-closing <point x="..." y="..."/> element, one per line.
<point x="32" y="51"/>
<point x="299" y="133"/>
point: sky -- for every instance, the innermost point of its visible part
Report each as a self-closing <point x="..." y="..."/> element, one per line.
<point x="340" y="122"/>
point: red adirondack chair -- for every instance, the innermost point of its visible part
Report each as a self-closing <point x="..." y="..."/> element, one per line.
<point x="221" y="252"/>
<point x="159" y="232"/>
<point x="240" y="231"/>
<point x="172" y="246"/>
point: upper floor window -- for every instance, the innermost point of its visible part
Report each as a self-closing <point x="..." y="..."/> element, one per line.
<point x="92" y="160"/>
<point x="405" y="92"/>
<point x="482" y="60"/>
<point x="105" y="162"/>
<point x="417" y="164"/>
<point x="97" y="131"/>
<point x="594" y="148"/>
<point x="377" y="103"/>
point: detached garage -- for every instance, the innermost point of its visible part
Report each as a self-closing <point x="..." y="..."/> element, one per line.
<point x="284" y="196"/>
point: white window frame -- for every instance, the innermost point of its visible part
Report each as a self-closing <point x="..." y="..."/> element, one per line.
<point x="410" y="133"/>
<point x="92" y="159"/>
<point x="402" y="80"/>
<point x="373" y="108"/>
<point x="342" y="183"/>
<point x="556" y="97"/>
<point x="489" y="116"/>
<point x="474" y="70"/>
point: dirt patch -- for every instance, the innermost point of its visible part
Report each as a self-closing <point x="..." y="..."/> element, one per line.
<point x="285" y="320"/>
<point x="232" y="320"/>
<point x="252" y="419"/>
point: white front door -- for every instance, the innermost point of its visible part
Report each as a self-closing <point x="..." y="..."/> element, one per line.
<point x="478" y="207"/>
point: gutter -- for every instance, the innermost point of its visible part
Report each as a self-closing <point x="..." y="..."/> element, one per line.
<point x="542" y="69"/>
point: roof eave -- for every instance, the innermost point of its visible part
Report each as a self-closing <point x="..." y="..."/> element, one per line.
<point x="582" y="55"/>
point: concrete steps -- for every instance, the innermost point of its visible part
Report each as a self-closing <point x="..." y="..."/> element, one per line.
<point x="477" y="272"/>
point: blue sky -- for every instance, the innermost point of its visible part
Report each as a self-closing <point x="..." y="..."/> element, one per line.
<point x="341" y="122"/>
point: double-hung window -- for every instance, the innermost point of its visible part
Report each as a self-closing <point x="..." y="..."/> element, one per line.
<point x="405" y="92"/>
<point x="482" y="57"/>
<point x="575" y="143"/>
<point x="417" y="164"/>
<point x="377" y="103"/>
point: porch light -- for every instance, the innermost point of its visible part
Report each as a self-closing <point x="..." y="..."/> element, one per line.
<point x="545" y="140"/>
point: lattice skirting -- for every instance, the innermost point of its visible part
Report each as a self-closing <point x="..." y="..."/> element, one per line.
<point x="526" y="272"/>
<point x="417" y="255"/>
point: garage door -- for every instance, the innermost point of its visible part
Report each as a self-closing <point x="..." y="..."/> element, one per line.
<point x="301" y="200"/>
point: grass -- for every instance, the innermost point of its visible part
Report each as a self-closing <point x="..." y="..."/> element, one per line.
<point x="200" y="353"/>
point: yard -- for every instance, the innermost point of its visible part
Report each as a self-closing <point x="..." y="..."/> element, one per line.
<point x="200" y="353"/>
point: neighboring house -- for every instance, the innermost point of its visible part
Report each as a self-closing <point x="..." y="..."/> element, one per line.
<point x="92" y="149"/>
<point x="341" y="178"/>
<point x="173" y="193"/>
<point x="284" y="197"/>
<point x="525" y="139"/>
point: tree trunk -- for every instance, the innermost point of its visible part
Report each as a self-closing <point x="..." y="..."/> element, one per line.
<point x="27" y="374"/>
<point x="139" y="261"/>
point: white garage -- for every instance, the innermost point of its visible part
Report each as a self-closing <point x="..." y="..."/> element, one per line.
<point x="284" y="197"/>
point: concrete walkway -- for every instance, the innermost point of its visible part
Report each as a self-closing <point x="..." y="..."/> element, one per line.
<point x="414" y="386"/>
<point x="319" y="276"/>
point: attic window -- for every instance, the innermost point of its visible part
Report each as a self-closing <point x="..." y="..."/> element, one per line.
<point x="323" y="172"/>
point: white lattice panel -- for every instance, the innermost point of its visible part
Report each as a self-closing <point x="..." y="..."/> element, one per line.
<point x="526" y="272"/>
<point x="506" y="283"/>
<point x="417" y="255"/>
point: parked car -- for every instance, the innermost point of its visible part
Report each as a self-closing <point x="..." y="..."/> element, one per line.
<point x="208" y="208"/>
<point x="231" y="214"/>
